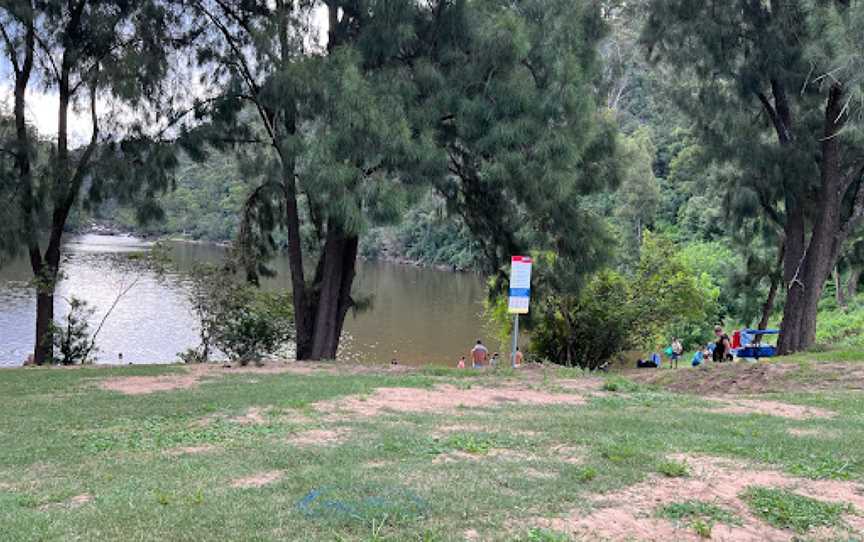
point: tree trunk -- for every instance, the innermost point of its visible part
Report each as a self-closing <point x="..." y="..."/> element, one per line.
<point x="820" y="256"/>
<point x="768" y="306"/>
<point x="839" y="289"/>
<point x="792" y="263"/>
<point x="852" y="283"/>
<point x="43" y="352"/>
<point x="334" y="300"/>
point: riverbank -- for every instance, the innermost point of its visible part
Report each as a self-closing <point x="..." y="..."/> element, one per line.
<point x="380" y="453"/>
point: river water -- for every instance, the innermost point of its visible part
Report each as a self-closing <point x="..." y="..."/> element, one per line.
<point x="418" y="316"/>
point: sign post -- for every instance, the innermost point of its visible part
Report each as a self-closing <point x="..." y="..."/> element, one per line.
<point x="520" y="296"/>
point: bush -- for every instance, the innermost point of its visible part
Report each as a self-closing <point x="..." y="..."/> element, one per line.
<point x="240" y="320"/>
<point x="72" y="338"/>
<point x="586" y="330"/>
<point x="663" y="298"/>
<point x="249" y="324"/>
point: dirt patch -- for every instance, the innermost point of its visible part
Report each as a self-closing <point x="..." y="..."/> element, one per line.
<point x="319" y="437"/>
<point x="142" y="385"/>
<point x="471" y="535"/>
<point x="456" y="457"/>
<point x="252" y="416"/>
<point x="629" y="514"/>
<point x="190" y="450"/>
<point x="445" y="398"/>
<point x="257" y="480"/>
<point x="744" y="378"/>
<point x="770" y="408"/>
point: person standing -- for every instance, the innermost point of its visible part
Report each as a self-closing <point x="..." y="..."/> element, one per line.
<point x="723" y="346"/>
<point x="461" y="364"/>
<point x="517" y="360"/>
<point x="677" y="351"/>
<point x="479" y="354"/>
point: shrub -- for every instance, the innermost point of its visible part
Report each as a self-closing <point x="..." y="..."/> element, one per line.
<point x="588" y="329"/>
<point x="240" y="320"/>
<point x="72" y="338"/>
<point x="613" y="312"/>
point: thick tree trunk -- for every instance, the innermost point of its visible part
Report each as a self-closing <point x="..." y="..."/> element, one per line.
<point x="337" y="277"/>
<point x="43" y="352"/>
<point x="792" y="271"/>
<point x="820" y="256"/>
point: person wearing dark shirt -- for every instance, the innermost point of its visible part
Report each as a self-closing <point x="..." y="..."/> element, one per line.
<point x="723" y="346"/>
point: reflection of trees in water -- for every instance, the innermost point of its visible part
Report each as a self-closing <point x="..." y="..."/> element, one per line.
<point x="424" y="314"/>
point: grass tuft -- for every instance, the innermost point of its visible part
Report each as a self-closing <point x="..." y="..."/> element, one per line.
<point x="543" y="535"/>
<point x="673" y="469"/>
<point x="700" y="515"/>
<point x="787" y="510"/>
<point x="617" y="383"/>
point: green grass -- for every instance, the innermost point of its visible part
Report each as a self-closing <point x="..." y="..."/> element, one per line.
<point x="394" y="476"/>
<point x="701" y="516"/>
<point x="787" y="510"/>
<point x="673" y="469"/>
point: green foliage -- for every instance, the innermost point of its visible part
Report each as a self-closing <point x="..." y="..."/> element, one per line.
<point x="670" y="298"/>
<point x="663" y="299"/>
<point x="428" y="234"/>
<point x="586" y="329"/>
<point x="240" y="320"/>
<point x="638" y="197"/>
<point x="842" y="326"/>
<point x="673" y="469"/>
<point x="72" y="338"/>
<point x="786" y="510"/>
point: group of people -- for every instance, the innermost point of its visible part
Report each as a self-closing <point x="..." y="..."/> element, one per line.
<point x="718" y="351"/>
<point x="480" y="357"/>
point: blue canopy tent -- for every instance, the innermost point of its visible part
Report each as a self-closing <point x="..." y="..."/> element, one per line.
<point x="752" y="346"/>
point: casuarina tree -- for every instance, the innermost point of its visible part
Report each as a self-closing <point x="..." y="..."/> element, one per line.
<point x="488" y="101"/>
<point x="776" y="87"/>
<point x="106" y="58"/>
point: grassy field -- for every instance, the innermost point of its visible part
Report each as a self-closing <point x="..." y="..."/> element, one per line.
<point x="315" y="453"/>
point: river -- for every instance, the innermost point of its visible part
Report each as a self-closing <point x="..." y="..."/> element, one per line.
<point x="418" y="316"/>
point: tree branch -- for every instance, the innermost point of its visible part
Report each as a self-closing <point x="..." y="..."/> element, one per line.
<point x="12" y="56"/>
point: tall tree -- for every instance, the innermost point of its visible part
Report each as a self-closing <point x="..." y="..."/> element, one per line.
<point x="84" y="53"/>
<point x="750" y="69"/>
<point x="639" y="194"/>
<point x="473" y="97"/>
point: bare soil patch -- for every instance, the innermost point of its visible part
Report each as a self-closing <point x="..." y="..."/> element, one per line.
<point x="142" y="385"/>
<point x="445" y="398"/>
<point x="252" y="416"/>
<point x="320" y="437"/>
<point x="630" y="514"/>
<point x="743" y="378"/>
<point x="770" y="408"/>
<point x="257" y="480"/>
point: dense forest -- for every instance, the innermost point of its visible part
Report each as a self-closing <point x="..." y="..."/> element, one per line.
<point x="670" y="164"/>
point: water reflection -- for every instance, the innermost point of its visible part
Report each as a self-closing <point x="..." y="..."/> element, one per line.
<point x="417" y="315"/>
